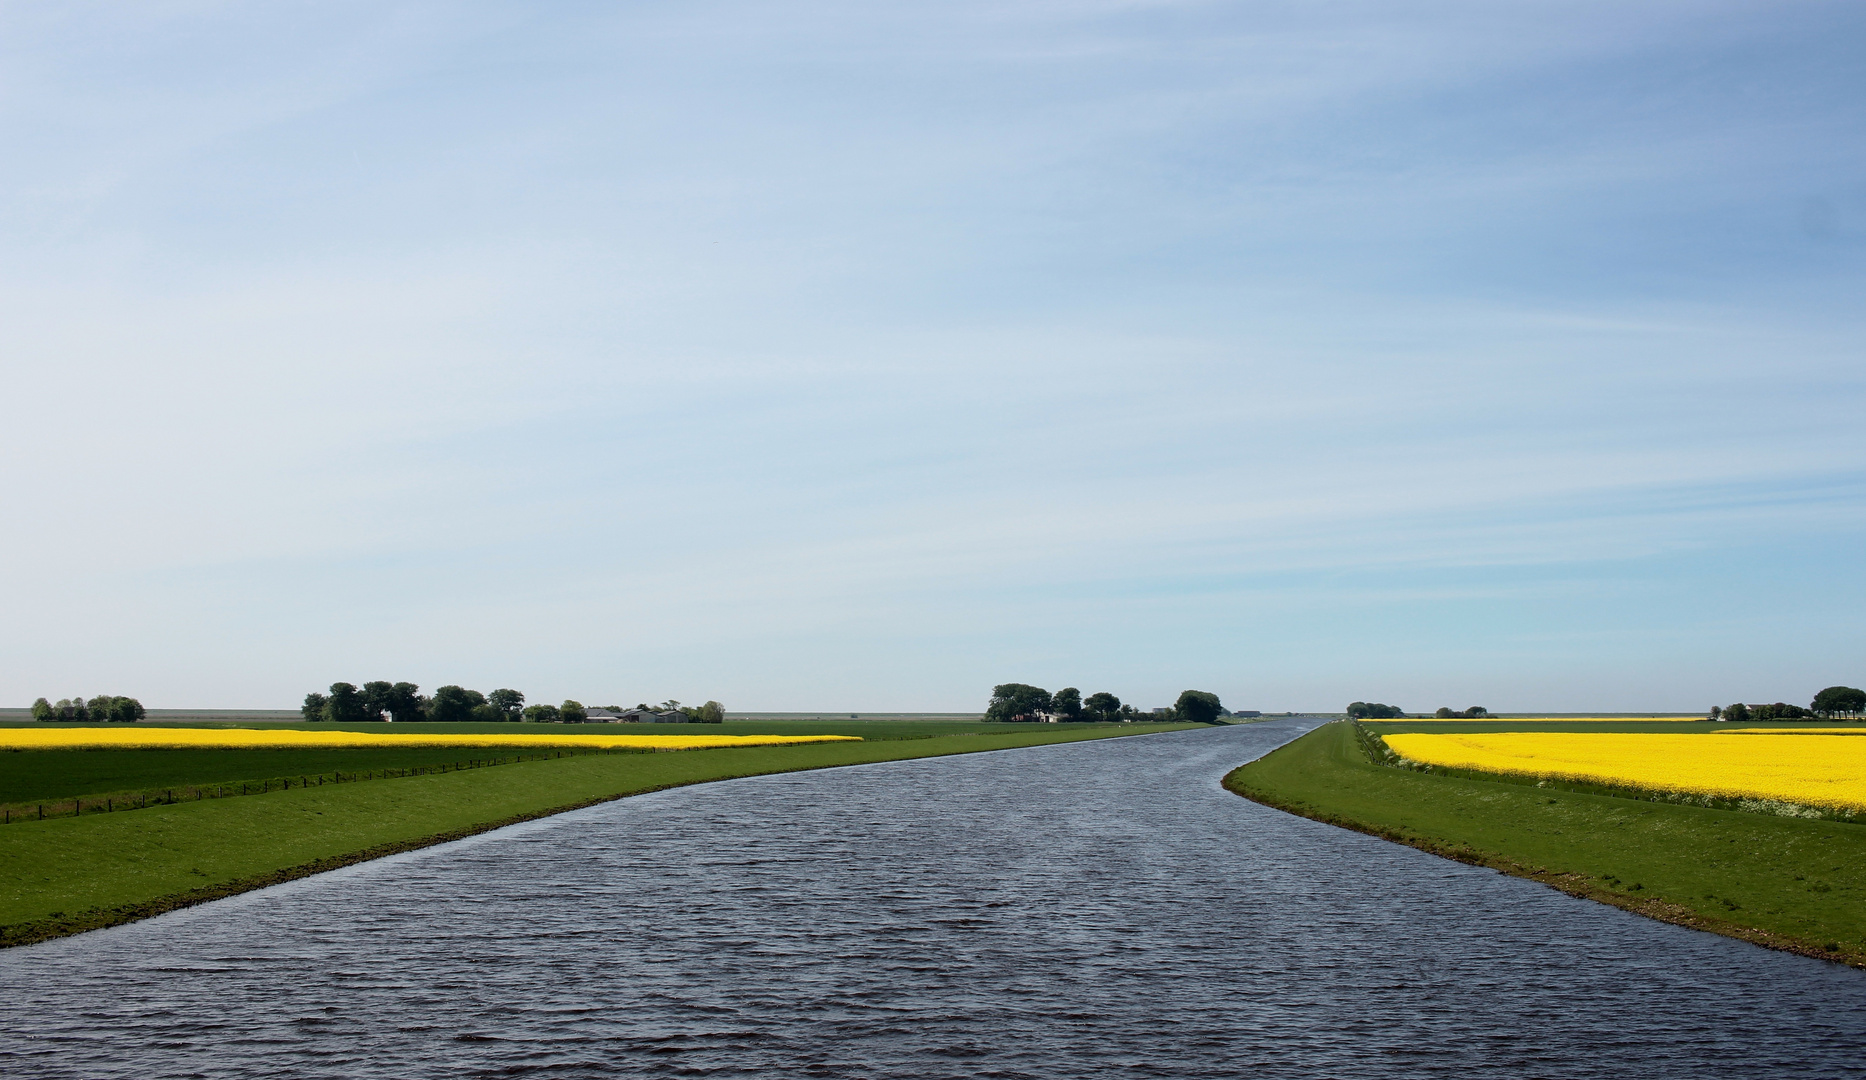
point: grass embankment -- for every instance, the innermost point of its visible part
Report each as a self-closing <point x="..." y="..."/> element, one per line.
<point x="34" y="782"/>
<point x="67" y="875"/>
<point x="867" y="729"/>
<point x="1786" y="883"/>
<point x="58" y="776"/>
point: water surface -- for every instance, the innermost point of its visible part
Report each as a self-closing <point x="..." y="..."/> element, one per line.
<point x="1094" y="909"/>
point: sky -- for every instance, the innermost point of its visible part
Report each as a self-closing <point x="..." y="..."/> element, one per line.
<point x="833" y="355"/>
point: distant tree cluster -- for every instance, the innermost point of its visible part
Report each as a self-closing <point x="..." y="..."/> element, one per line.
<point x="1471" y="713"/>
<point x="1831" y="703"/>
<point x="104" y="708"/>
<point x="710" y="713"/>
<point x="1840" y="701"/>
<point x="1373" y="710"/>
<point x="1781" y="710"/>
<point x="403" y="702"/>
<point x="1021" y="702"/>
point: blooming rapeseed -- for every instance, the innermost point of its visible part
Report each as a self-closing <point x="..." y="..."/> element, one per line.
<point x="1803" y="769"/>
<point x="141" y="738"/>
<point x="1541" y="720"/>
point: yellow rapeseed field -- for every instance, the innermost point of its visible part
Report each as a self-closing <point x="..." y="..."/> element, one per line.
<point x="140" y="738"/>
<point x="1803" y="769"/>
<point x="1799" y="731"/>
<point x="1541" y="720"/>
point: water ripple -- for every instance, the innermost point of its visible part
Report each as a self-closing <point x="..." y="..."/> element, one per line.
<point x="1098" y="909"/>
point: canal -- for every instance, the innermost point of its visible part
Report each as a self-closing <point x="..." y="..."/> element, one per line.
<point x="1095" y="909"/>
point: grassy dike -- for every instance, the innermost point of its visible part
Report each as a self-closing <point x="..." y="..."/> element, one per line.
<point x="1786" y="883"/>
<point x="67" y="875"/>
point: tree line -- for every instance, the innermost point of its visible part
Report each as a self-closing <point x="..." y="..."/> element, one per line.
<point x="1021" y="702"/>
<point x="1374" y="710"/>
<point x="403" y="702"/>
<point x="104" y="708"/>
<point x="1831" y="703"/>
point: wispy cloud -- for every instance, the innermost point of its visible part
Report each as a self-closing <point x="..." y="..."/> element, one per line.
<point x="835" y="354"/>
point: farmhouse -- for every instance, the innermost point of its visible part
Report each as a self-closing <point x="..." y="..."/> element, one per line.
<point x="647" y="716"/>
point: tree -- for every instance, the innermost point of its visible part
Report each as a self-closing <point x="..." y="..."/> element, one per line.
<point x="1716" y="711"/>
<point x="1779" y="710"/>
<point x="376" y="697"/>
<point x="1102" y="706"/>
<point x="405" y="702"/>
<point x="1067" y="703"/>
<point x="1476" y="710"/>
<point x="1373" y="710"/>
<point x="1016" y="701"/>
<point x="541" y="714"/>
<point x="571" y="712"/>
<point x="454" y="704"/>
<point x="1736" y="713"/>
<point x="42" y="710"/>
<point x="315" y="706"/>
<point x="110" y="708"/>
<point x="345" y="705"/>
<point x="1838" y="701"/>
<point x="509" y="702"/>
<point x="710" y="713"/>
<point x="1197" y="707"/>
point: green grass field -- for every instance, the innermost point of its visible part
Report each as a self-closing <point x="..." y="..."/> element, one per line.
<point x="66" y="875"/>
<point x="867" y="729"/>
<point x="32" y="777"/>
<point x="35" y="776"/>
<point x="1787" y="883"/>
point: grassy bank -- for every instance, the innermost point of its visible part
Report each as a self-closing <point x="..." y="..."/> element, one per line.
<point x="61" y="775"/>
<point x="867" y="729"/>
<point x="66" y="875"/>
<point x="1786" y="883"/>
<point x="56" y="777"/>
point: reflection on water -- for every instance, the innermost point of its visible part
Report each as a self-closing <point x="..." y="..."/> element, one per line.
<point x="1097" y="909"/>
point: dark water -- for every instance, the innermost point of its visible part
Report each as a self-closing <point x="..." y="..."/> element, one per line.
<point x="1099" y="909"/>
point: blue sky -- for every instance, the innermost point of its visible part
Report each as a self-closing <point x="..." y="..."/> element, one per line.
<point x="860" y="356"/>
